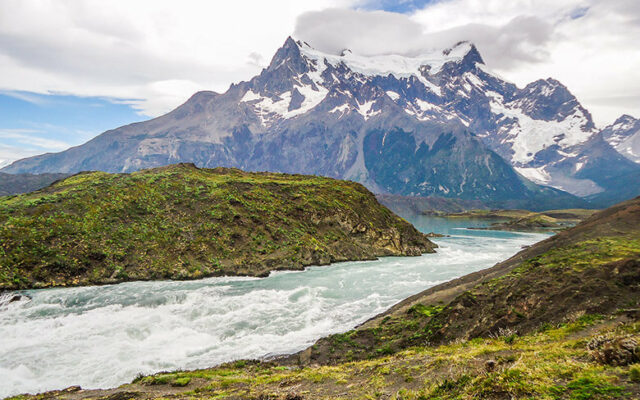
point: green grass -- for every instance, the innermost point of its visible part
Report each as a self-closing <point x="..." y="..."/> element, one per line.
<point x="584" y="255"/>
<point x="425" y="311"/>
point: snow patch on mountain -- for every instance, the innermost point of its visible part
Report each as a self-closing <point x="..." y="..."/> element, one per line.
<point x="341" y="109"/>
<point x="630" y="147"/>
<point x="624" y="136"/>
<point x="529" y="136"/>
<point x="266" y="106"/>
<point x="391" y="64"/>
<point x="393" y="95"/>
<point x="537" y="175"/>
<point x="473" y="79"/>
<point x="365" y="110"/>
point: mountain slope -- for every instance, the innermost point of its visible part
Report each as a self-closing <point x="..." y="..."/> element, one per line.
<point x="23" y="183"/>
<point x="630" y="188"/>
<point x="345" y="116"/>
<point x="181" y="222"/>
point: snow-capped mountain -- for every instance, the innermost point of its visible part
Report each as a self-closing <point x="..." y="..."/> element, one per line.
<point x="624" y="136"/>
<point x="438" y="124"/>
<point x="601" y="163"/>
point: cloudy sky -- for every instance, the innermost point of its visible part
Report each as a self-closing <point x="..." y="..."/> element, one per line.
<point x="74" y="68"/>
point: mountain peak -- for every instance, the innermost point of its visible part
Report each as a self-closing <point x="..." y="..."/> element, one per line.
<point x="467" y="51"/>
<point x="625" y="120"/>
<point x="623" y="127"/>
<point x="545" y="87"/>
<point x="289" y="53"/>
<point x="624" y="136"/>
<point x="290" y="42"/>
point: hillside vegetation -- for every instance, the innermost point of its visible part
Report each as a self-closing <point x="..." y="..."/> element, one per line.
<point x="560" y="320"/>
<point x="182" y="222"/>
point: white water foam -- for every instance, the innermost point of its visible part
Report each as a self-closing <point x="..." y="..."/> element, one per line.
<point x="100" y="337"/>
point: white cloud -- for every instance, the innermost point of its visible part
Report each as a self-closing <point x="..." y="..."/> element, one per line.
<point x="9" y="154"/>
<point x="20" y="143"/>
<point x="28" y="139"/>
<point x="520" y="39"/>
<point x="159" y="51"/>
<point x="28" y="97"/>
<point x="365" y="32"/>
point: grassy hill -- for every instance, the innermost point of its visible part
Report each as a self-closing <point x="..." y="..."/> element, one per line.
<point x="182" y="222"/>
<point x="559" y="320"/>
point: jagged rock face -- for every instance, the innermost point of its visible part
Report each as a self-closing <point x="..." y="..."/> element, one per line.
<point x="439" y="124"/>
<point x="537" y="123"/>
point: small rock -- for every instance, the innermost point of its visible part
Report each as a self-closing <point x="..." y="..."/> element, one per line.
<point x="616" y="351"/>
<point x="8" y="298"/>
<point x="122" y="396"/>
<point x="304" y="357"/>
<point x="435" y="235"/>
<point x="490" y="365"/>
<point x="293" y="396"/>
<point x="72" y="389"/>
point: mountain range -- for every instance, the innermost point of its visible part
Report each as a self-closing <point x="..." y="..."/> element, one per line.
<point x="440" y="124"/>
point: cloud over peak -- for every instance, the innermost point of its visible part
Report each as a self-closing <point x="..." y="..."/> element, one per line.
<point x="522" y="39"/>
<point x="586" y="44"/>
